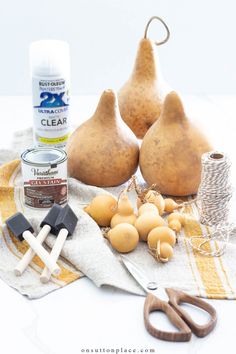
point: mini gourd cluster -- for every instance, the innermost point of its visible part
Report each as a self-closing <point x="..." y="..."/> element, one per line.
<point x="156" y="222"/>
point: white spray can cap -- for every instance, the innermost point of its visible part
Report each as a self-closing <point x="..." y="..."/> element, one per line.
<point x="50" y="58"/>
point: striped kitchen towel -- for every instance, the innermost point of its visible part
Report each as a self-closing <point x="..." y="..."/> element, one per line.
<point x="88" y="253"/>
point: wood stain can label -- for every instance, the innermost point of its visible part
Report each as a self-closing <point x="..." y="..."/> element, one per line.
<point x="44" y="173"/>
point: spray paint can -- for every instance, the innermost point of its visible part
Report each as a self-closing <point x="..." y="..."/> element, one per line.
<point x="50" y="72"/>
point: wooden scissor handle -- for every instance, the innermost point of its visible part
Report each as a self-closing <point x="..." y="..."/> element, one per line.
<point x="176" y="297"/>
<point x="152" y="303"/>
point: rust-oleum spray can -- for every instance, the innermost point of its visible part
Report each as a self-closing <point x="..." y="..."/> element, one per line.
<point x="50" y="72"/>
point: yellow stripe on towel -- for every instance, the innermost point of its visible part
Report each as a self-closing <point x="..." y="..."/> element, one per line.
<point x="206" y="265"/>
<point x="6" y="171"/>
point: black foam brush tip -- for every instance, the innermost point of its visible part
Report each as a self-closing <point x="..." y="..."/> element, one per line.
<point x="67" y="220"/>
<point x="18" y="224"/>
<point x="51" y="217"/>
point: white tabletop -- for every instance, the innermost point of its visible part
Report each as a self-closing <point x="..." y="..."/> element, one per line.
<point x="82" y="316"/>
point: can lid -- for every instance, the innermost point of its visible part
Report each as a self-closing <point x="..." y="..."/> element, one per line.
<point x="44" y="156"/>
<point x="49" y="58"/>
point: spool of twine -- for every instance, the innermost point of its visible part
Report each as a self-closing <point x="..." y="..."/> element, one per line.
<point x="213" y="199"/>
<point x="215" y="190"/>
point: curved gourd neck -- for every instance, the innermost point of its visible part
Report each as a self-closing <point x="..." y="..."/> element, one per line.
<point x="124" y="206"/>
<point x="107" y="109"/>
<point x="173" y="110"/>
<point x="145" y="64"/>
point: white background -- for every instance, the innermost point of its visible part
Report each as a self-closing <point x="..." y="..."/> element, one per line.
<point x="104" y="34"/>
<point x="199" y="59"/>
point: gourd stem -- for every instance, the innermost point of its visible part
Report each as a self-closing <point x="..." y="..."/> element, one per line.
<point x="165" y="25"/>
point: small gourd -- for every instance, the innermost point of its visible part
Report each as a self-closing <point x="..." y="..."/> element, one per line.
<point x="166" y="251"/>
<point x="124" y="237"/>
<point x="160" y="242"/>
<point x="162" y="234"/>
<point x="157" y="199"/>
<point x="163" y="252"/>
<point x="148" y="207"/>
<point x="125" y="212"/>
<point x="175" y="225"/>
<point x="146" y="222"/>
<point x="176" y="216"/>
<point x="152" y="197"/>
<point x="170" y="205"/>
<point x="102" y="208"/>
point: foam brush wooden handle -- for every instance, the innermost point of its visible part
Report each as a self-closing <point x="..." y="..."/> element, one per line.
<point x="55" y="253"/>
<point x="41" y="252"/>
<point x="177" y="297"/>
<point x="29" y="255"/>
<point x="152" y="303"/>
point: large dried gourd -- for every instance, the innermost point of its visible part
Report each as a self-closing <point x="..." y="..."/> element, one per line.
<point x="171" y="151"/>
<point x="103" y="151"/>
<point x="141" y="97"/>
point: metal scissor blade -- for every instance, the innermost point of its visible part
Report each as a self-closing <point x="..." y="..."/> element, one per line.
<point x="136" y="272"/>
<point x="147" y="284"/>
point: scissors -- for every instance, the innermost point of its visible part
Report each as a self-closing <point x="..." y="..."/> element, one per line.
<point x="168" y="300"/>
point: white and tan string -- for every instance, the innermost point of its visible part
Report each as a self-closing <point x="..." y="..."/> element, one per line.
<point x="214" y="194"/>
<point x="215" y="190"/>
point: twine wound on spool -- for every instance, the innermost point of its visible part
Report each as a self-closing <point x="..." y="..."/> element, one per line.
<point x="214" y="194"/>
<point x="215" y="190"/>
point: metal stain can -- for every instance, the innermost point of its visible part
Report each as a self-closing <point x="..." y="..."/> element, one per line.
<point x="44" y="173"/>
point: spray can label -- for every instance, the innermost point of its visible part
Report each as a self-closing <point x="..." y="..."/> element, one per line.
<point x="51" y="111"/>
